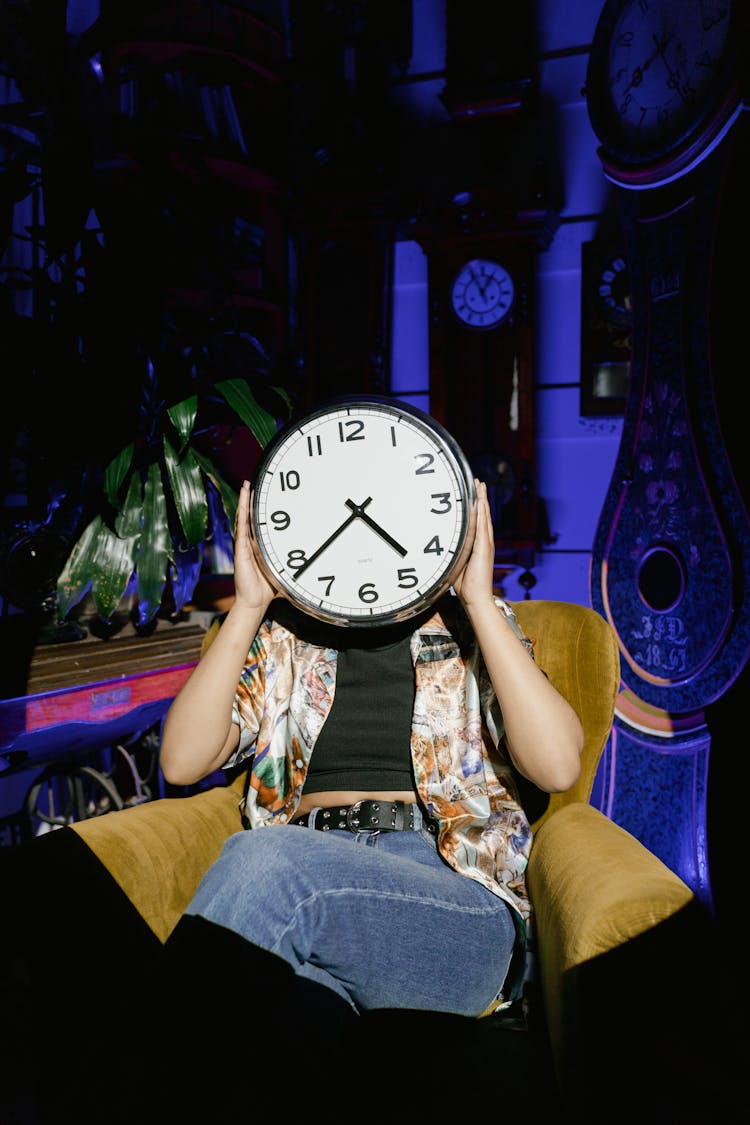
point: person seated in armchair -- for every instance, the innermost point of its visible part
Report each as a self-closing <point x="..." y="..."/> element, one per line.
<point x="384" y="865"/>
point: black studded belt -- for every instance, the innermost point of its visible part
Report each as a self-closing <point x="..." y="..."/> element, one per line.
<point x="367" y="816"/>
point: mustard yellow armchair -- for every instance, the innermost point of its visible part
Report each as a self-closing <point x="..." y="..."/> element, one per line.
<point x="601" y="899"/>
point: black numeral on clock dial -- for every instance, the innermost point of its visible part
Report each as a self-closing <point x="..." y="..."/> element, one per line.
<point x="367" y="592"/>
<point x="445" y="502"/>
<point x="296" y="559"/>
<point x="330" y="579"/>
<point x="426" y="459"/>
<point x="289" y="481"/>
<point x="354" y="426"/>
<point x="407" y="577"/>
<point x="433" y="547"/>
<point x="314" y="445"/>
<point x="281" y="520"/>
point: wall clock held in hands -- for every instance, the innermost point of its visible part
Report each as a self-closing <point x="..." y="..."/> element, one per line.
<point x="482" y="294"/>
<point x="361" y="511"/>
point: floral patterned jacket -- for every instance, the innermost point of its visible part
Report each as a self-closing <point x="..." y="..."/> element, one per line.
<point x="463" y="775"/>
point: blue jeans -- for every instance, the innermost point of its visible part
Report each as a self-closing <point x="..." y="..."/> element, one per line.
<point x="379" y="917"/>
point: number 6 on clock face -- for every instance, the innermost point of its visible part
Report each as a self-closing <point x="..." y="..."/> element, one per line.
<point x="361" y="511"/>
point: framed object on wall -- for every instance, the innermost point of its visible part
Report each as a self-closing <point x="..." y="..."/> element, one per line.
<point x="606" y="323"/>
<point x="481" y="371"/>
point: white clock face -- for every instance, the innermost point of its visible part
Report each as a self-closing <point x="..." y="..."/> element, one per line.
<point x="361" y="511"/>
<point x="482" y="293"/>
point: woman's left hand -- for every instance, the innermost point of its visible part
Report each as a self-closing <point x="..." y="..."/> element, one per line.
<point x="474" y="583"/>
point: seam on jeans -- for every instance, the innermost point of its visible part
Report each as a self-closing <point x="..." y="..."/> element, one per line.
<point x="488" y="911"/>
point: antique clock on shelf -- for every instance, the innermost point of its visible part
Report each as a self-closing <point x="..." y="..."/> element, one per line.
<point x="605" y="327"/>
<point x="671" y="557"/>
<point x="362" y="510"/>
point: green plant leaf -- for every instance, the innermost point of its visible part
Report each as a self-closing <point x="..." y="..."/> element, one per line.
<point x="114" y="474"/>
<point x="103" y="560"/>
<point x="130" y="518"/>
<point x="189" y="493"/>
<point x="242" y="400"/>
<point x="76" y="576"/>
<point x="229" y="498"/>
<point x="114" y="562"/>
<point x="155" y="545"/>
<point x="182" y="416"/>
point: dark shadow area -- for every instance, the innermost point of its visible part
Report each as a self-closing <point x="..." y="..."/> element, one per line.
<point x="76" y="964"/>
<point x="662" y="1033"/>
<point x="19" y="635"/>
<point x="85" y="1018"/>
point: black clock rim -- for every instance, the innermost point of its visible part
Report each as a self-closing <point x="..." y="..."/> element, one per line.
<point x="722" y="99"/>
<point x="480" y="258"/>
<point x="441" y="586"/>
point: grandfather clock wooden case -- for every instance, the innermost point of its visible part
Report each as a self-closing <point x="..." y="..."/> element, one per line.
<point x="481" y="241"/>
<point x="482" y="377"/>
<point x="671" y="559"/>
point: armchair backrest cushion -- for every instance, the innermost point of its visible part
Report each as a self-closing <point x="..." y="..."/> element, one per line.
<point x="577" y="648"/>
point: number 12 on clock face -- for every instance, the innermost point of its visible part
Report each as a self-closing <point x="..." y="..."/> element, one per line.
<point x="361" y="511"/>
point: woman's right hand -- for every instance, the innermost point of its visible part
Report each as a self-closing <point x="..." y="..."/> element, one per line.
<point x="199" y="733"/>
<point x="251" y="588"/>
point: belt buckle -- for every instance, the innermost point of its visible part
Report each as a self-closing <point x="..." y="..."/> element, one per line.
<point x="353" y="825"/>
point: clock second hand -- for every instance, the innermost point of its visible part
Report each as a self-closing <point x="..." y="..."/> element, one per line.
<point x="349" y="519"/>
<point x="358" y="510"/>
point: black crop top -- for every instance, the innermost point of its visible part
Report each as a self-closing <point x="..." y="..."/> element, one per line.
<point x="365" y="743"/>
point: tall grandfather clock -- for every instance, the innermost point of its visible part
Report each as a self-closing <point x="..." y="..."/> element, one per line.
<point x="671" y="558"/>
<point x="480" y="274"/>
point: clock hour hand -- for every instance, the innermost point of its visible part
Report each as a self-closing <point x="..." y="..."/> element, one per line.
<point x="636" y="77"/>
<point x="334" y="535"/>
<point x="478" y="279"/>
<point x="358" y="510"/>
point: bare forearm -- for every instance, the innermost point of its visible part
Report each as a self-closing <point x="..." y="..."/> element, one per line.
<point x="198" y="735"/>
<point x="543" y="732"/>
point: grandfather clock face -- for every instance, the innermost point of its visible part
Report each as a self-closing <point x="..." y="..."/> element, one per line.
<point x="481" y="377"/>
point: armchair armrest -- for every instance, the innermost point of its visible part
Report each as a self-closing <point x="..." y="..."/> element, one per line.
<point x="597" y="889"/>
<point x="159" y="851"/>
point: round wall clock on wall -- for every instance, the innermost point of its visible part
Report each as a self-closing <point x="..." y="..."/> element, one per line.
<point x="361" y="511"/>
<point x="482" y="293"/>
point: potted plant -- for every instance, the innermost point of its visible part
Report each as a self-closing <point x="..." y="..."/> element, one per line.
<point x="121" y="390"/>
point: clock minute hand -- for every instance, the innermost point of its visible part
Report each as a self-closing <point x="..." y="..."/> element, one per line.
<point x="358" y="510"/>
<point x="334" y="535"/>
<point x="661" y="49"/>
